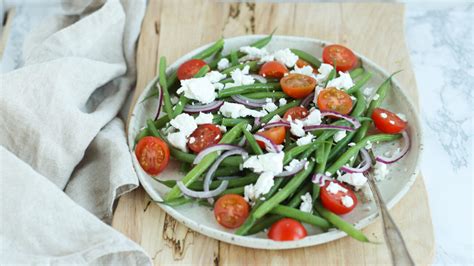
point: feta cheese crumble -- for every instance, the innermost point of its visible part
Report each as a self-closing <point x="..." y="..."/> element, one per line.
<point x="204" y="118"/>
<point x="313" y="118"/>
<point x="276" y="118"/>
<point x="215" y="76"/>
<point x="236" y="110"/>
<point x="376" y="97"/>
<point x="305" y="140"/>
<point x="380" y="171"/>
<point x="306" y="203"/>
<point x="240" y="77"/>
<point x="305" y="70"/>
<point x="368" y="145"/>
<point x="178" y="140"/>
<point x="184" y="123"/>
<point x="282" y="101"/>
<point x="296" y="128"/>
<point x="252" y="53"/>
<point x="263" y="185"/>
<point x="286" y="57"/>
<point x="199" y="89"/>
<point x="347" y="201"/>
<point x="323" y="72"/>
<point x="269" y="162"/>
<point x="334" y="188"/>
<point x="223" y="64"/>
<point x="339" y="135"/>
<point x="270" y="107"/>
<point x="292" y="165"/>
<point x="344" y="81"/>
<point x="354" y="179"/>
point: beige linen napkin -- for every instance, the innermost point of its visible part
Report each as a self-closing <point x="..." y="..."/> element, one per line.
<point x="64" y="158"/>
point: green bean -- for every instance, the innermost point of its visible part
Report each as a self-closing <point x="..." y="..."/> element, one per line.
<point x="281" y="195"/>
<point x="291" y="153"/>
<point x="182" y="99"/>
<point x="217" y="119"/>
<point x="185" y="167"/>
<point x="189" y="158"/>
<point x="322" y="158"/>
<point x="234" y="59"/>
<point x="301" y="216"/>
<point x="176" y="202"/>
<point x="281" y="110"/>
<point x="365" y="77"/>
<point x="202" y="166"/>
<point x="356" y="72"/>
<point x="164" y="86"/>
<point x="235" y="190"/>
<point x="266" y="94"/>
<point x="337" y="149"/>
<point x="215" y="61"/>
<point x="332" y="75"/>
<point x="313" y="61"/>
<point x="230" y="122"/>
<point x="199" y="185"/>
<point x="340" y="223"/>
<point x="382" y="92"/>
<point x="354" y="150"/>
<point x="151" y="128"/>
<point x="143" y="133"/>
<point x="253" y="67"/>
<point x="252" y="142"/>
<point x="257" y="87"/>
<point x="210" y="50"/>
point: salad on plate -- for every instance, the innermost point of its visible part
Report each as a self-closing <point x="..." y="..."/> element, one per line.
<point x="271" y="140"/>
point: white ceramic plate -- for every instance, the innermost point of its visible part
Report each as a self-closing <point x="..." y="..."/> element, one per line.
<point x="201" y="219"/>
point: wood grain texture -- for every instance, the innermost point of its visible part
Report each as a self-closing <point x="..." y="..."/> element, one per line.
<point x="173" y="28"/>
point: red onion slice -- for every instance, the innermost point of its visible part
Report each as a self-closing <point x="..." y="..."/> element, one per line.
<point x="210" y="107"/>
<point x="399" y="155"/>
<point x="256" y="103"/>
<point x="232" y="177"/>
<point x="213" y="148"/>
<point x="259" y="78"/>
<point x="277" y="124"/>
<point x="320" y="127"/>
<point x="270" y="145"/>
<point x="293" y="171"/>
<point x="203" y="194"/>
<point x="320" y="179"/>
<point x="364" y="166"/>
<point x="160" y="101"/>
<point x="307" y="100"/>
<point x="349" y="119"/>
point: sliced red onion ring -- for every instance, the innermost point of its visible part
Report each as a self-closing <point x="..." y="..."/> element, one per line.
<point x="349" y="119"/>
<point x="210" y="107"/>
<point x="259" y="78"/>
<point x="232" y="177"/>
<point x="307" y="100"/>
<point x="294" y="170"/>
<point x="160" y="101"/>
<point x="203" y="194"/>
<point x="364" y="166"/>
<point x="399" y="155"/>
<point x="320" y="179"/>
<point x="213" y="148"/>
<point x="277" y="124"/>
<point x="319" y="127"/>
<point x="272" y="147"/>
<point x="249" y="102"/>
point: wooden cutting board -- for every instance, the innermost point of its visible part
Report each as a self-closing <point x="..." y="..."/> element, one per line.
<point x="173" y="28"/>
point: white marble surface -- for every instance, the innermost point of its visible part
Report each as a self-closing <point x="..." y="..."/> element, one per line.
<point x="441" y="42"/>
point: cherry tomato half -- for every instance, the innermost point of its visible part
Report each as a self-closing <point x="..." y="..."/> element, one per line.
<point x="297" y="112"/>
<point x="204" y="136"/>
<point x="333" y="202"/>
<point x="301" y="63"/>
<point x="332" y="99"/>
<point x="287" y="229"/>
<point x="273" y="69"/>
<point x="275" y="134"/>
<point x="190" y="68"/>
<point x="388" y="122"/>
<point x="231" y="210"/>
<point x="345" y="59"/>
<point x="153" y="154"/>
<point x="297" y="85"/>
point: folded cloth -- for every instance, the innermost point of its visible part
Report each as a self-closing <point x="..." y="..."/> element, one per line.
<point x="64" y="158"/>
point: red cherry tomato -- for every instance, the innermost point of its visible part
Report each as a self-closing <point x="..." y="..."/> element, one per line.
<point x="153" y="154"/>
<point x="297" y="85"/>
<point x="275" y="134"/>
<point x="388" y="122"/>
<point x="190" y="68"/>
<point x="345" y="59"/>
<point x="332" y="99"/>
<point x="231" y="210"/>
<point x="204" y="136"/>
<point x="333" y="202"/>
<point x="287" y="229"/>
<point x="273" y="69"/>
<point x="297" y="112"/>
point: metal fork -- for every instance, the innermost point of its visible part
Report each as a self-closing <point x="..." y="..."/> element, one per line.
<point x="393" y="238"/>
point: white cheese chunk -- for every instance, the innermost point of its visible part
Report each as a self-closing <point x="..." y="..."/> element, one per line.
<point x="368" y="91"/>
<point x="339" y="135"/>
<point x="218" y="86"/>
<point x="334" y="188"/>
<point x="376" y="97"/>
<point x="292" y="165"/>
<point x="296" y="128"/>
<point x="354" y="179"/>
<point x="323" y="72"/>
<point x="344" y="81"/>
<point x="282" y="101"/>
<point x="204" y="118"/>
<point x="236" y="110"/>
<point x="286" y="57"/>
<point x="313" y="118"/>
<point x="184" y="123"/>
<point x="380" y="171"/>
<point x="305" y="70"/>
<point x="305" y="140"/>
<point x="178" y="140"/>
<point x="253" y="53"/>
<point x="263" y="185"/>
<point x="368" y="145"/>
<point x="223" y="64"/>
<point x="199" y="89"/>
<point x="270" y="107"/>
<point x="240" y="77"/>
<point x="306" y="203"/>
<point x="276" y="118"/>
<point x="222" y="128"/>
<point x="215" y="76"/>
<point x="347" y="201"/>
<point x="269" y="162"/>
